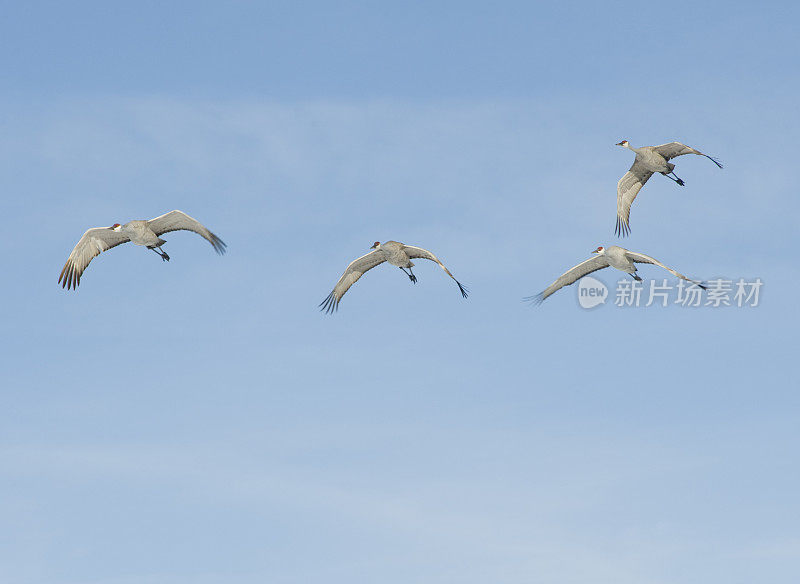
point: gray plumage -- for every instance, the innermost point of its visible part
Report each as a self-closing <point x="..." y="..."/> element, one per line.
<point x="140" y="232"/>
<point x="614" y="256"/>
<point x="395" y="253"/>
<point x="649" y="160"/>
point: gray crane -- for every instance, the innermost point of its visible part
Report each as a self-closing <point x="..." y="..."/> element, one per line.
<point x="649" y="160"/>
<point x="146" y="233"/>
<point x="614" y="256"/>
<point x="395" y="253"/>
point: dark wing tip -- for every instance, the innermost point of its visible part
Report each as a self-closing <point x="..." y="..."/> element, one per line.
<point x="329" y="305"/>
<point x="714" y="160"/>
<point x="703" y="286"/>
<point x="535" y="300"/>
<point x="622" y="229"/>
<point x="219" y="245"/>
<point x="464" y="289"/>
<point x="69" y="278"/>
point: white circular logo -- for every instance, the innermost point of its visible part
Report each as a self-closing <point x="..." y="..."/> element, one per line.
<point x="591" y="292"/>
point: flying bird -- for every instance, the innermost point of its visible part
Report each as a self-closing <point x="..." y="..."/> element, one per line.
<point x="395" y="253"/>
<point x="146" y="233"/>
<point x="649" y="159"/>
<point x="614" y="256"/>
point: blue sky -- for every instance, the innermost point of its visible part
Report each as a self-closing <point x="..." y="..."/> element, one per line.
<point x="201" y="422"/>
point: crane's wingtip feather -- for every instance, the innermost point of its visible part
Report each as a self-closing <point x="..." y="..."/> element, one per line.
<point x="219" y="246"/>
<point x="622" y="229"/>
<point x="534" y="300"/>
<point x="330" y="304"/>
<point x="69" y="278"/>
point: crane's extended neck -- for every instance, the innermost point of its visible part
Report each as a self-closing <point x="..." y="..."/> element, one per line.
<point x="626" y="144"/>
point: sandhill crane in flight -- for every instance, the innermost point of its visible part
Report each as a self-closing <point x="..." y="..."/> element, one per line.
<point x="614" y="256"/>
<point x="649" y="159"/>
<point x="395" y="253"/>
<point x="146" y="233"/>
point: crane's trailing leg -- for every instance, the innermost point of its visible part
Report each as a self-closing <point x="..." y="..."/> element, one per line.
<point x="411" y="275"/>
<point x="160" y="252"/>
<point x="636" y="277"/>
<point x="676" y="179"/>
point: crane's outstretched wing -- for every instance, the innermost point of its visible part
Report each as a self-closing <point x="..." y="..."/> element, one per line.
<point x="570" y="277"/>
<point x="674" y="149"/>
<point x="627" y="189"/>
<point x="178" y="220"/>
<point x="641" y="258"/>
<point x="94" y="242"/>
<point x="415" y="252"/>
<point x="354" y="271"/>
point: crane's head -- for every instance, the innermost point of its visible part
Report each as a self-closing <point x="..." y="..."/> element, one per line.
<point x="624" y="143"/>
<point x="116" y="227"/>
<point x="376" y="245"/>
<point x="600" y="249"/>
